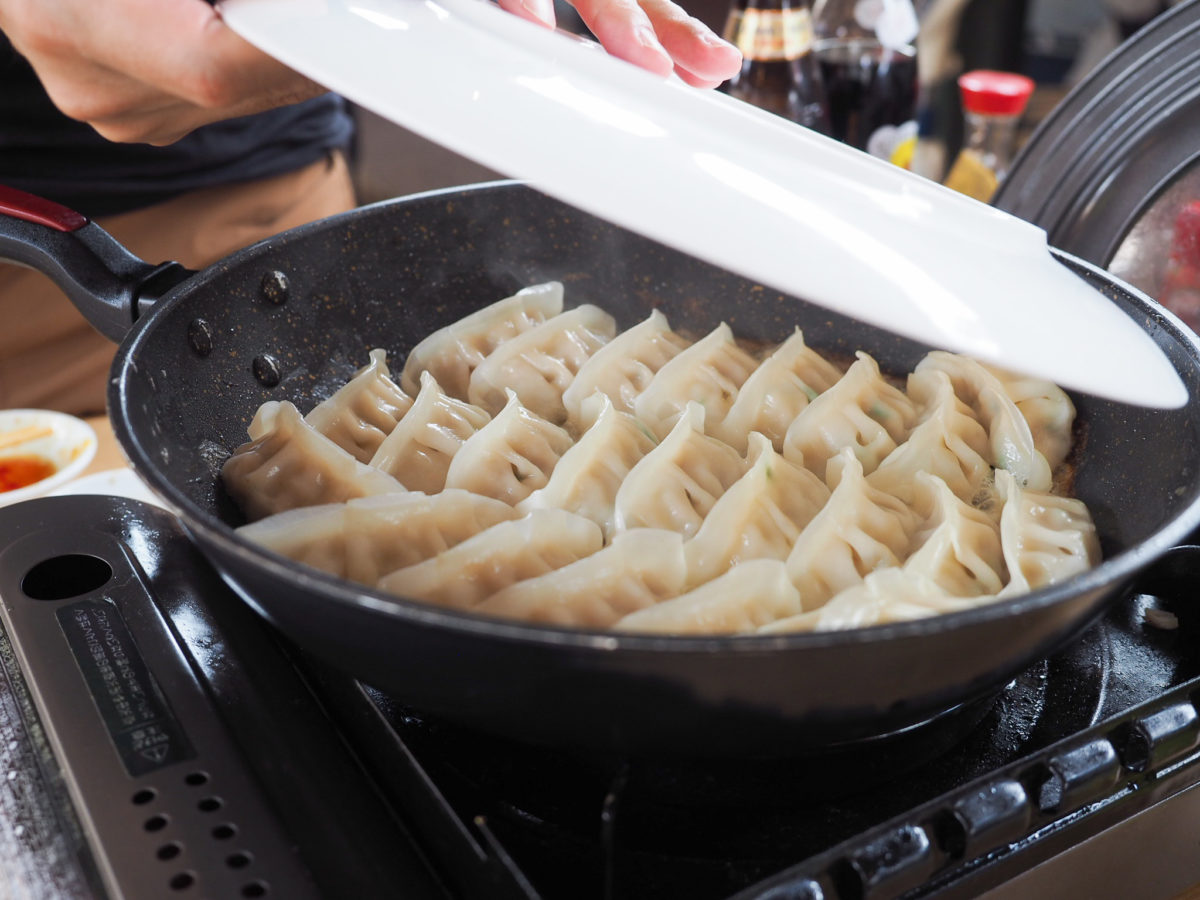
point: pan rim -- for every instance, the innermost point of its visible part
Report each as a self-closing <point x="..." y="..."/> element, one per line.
<point x="206" y="527"/>
<point x="1114" y="570"/>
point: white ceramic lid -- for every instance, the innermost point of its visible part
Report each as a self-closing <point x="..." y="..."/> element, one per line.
<point x="719" y="179"/>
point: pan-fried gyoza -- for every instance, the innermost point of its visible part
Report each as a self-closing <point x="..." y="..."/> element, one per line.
<point x="538" y="465"/>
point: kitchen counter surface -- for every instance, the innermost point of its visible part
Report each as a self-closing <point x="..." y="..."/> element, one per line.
<point x="108" y="451"/>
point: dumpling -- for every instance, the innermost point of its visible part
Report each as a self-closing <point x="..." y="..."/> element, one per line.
<point x="775" y="393"/>
<point x="1011" y="442"/>
<point x="742" y="601"/>
<point x="313" y="535"/>
<point x="676" y="484"/>
<point x="263" y="420"/>
<point x="949" y="442"/>
<point x="389" y="532"/>
<point x="859" y="530"/>
<point x="957" y="546"/>
<point x="710" y="372"/>
<point x="510" y="457"/>
<point x="623" y="367"/>
<point x="541" y="363"/>
<point x="760" y="516"/>
<point x="1046" y="407"/>
<point x="291" y="465"/>
<point x="420" y="447"/>
<point x="647" y="483"/>
<point x="637" y="570"/>
<point x="588" y="476"/>
<point x="364" y="411"/>
<point x="1046" y="538"/>
<point x="451" y="354"/>
<point x="889" y="595"/>
<point x="862" y="411"/>
<point x="468" y="573"/>
<point x="364" y="539"/>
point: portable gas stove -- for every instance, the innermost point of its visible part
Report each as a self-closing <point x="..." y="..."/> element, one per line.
<point x="159" y="740"/>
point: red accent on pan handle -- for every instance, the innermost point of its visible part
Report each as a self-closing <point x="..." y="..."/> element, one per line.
<point x="39" y="211"/>
<point x="109" y="285"/>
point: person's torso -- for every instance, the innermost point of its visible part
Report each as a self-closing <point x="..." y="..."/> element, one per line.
<point x="44" y="152"/>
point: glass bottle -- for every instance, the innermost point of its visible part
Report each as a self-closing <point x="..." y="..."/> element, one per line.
<point x="779" y="73"/>
<point x="993" y="103"/>
<point x="866" y="50"/>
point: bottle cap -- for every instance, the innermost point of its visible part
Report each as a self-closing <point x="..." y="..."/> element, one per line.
<point x="989" y="93"/>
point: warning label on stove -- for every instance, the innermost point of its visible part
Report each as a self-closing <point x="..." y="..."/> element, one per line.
<point x="145" y="733"/>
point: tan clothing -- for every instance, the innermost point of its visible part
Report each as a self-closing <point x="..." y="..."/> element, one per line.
<point x="51" y="358"/>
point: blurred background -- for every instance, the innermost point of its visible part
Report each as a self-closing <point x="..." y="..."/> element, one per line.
<point x="1054" y="42"/>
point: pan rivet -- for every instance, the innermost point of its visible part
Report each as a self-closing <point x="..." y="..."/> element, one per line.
<point x="200" y="336"/>
<point x="266" y="370"/>
<point x="275" y="288"/>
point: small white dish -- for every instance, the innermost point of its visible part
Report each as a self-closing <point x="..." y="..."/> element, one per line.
<point x="719" y="179"/>
<point x="69" y="444"/>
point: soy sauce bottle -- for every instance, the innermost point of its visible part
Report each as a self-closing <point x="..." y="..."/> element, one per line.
<point x="993" y="103"/>
<point x="779" y="73"/>
<point x="866" y="50"/>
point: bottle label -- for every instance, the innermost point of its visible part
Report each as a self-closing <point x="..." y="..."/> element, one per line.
<point x="766" y="35"/>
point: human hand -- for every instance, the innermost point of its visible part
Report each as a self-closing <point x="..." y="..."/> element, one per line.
<point x="150" y="71"/>
<point x="146" y="71"/>
<point x="657" y="35"/>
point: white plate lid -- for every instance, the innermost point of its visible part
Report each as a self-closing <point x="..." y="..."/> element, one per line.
<point x="721" y="180"/>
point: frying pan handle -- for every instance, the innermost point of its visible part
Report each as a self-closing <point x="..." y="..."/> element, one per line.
<point x="107" y="283"/>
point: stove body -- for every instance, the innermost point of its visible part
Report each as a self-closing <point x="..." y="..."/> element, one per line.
<point x="160" y="740"/>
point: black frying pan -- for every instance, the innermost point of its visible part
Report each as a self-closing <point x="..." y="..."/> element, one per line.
<point x="292" y="317"/>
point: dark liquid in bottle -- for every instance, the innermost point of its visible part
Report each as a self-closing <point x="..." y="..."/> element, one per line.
<point x="867" y="85"/>
<point x="789" y="88"/>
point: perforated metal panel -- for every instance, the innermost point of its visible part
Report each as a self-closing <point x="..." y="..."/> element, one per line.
<point x="161" y="794"/>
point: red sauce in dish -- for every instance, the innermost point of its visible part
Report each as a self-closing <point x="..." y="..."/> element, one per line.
<point x="19" y="471"/>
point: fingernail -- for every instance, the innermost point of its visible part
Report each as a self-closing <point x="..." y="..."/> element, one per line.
<point x="542" y="10"/>
<point x="647" y="37"/>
